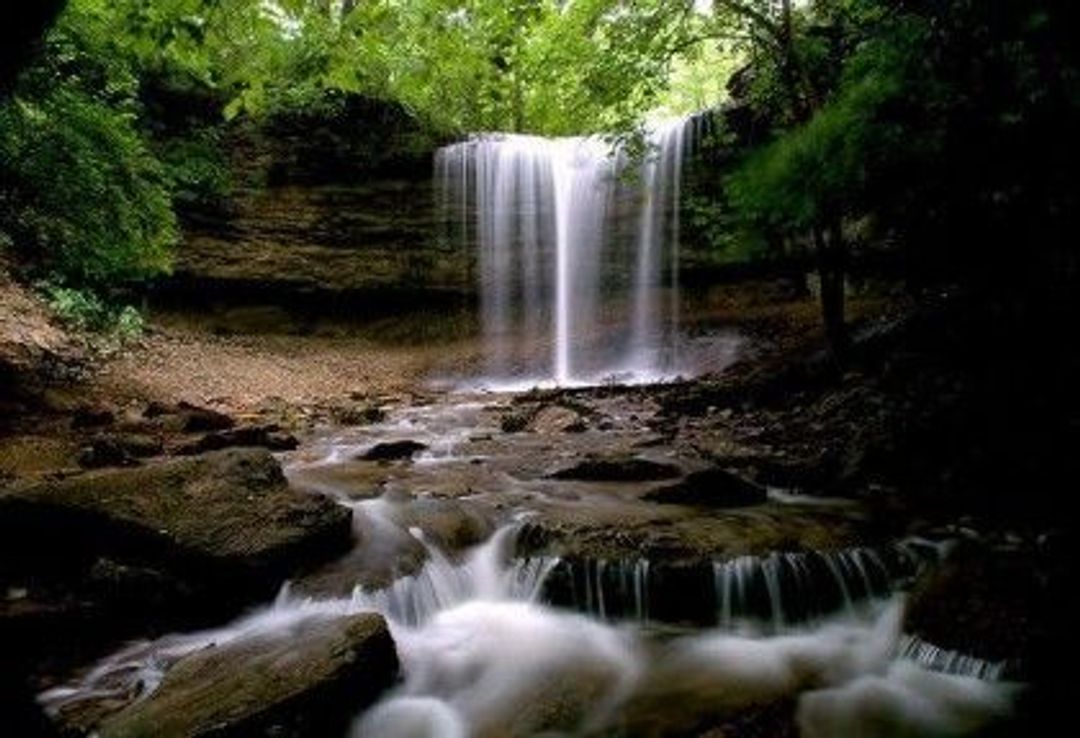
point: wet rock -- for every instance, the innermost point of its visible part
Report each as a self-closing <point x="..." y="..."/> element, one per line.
<point x="716" y="700"/>
<point x="982" y="603"/>
<point x="618" y="469"/>
<point x="262" y="436"/>
<point x="660" y="591"/>
<point x="393" y="451"/>
<point x="200" y="419"/>
<point x="776" y="720"/>
<point x="308" y="682"/>
<point x="556" y="419"/>
<point x="92" y="416"/>
<point x="128" y="584"/>
<point x="515" y="422"/>
<point x="710" y="488"/>
<point x="224" y="519"/>
<point x="451" y="525"/>
<point x="119" y="449"/>
<point x="687" y="536"/>
<point x="798" y="473"/>
<point x="155" y="409"/>
<point x="653" y="716"/>
<point x="185" y="417"/>
<point x="359" y="415"/>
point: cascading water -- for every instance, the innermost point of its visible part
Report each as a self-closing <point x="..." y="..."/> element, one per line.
<point x="481" y="656"/>
<point x="760" y="594"/>
<point x="572" y="245"/>
<point x="492" y="643"/>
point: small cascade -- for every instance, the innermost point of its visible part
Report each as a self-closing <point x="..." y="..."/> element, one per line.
<point x="481" y="656"/>
<point x="487" y="573"/>
<point x="768" y="593"/>
<point x="572" y="249"/>
<point x="946" y="661"/>
<point x="783" y="588"/>
<point x="611" y="590"/>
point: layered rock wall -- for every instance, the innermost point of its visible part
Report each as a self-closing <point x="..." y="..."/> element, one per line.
<point x="337" y="200"/>
<point x="341" y="201"/>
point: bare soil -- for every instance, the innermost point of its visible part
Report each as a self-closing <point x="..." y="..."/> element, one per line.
<point x="239" y="372"/>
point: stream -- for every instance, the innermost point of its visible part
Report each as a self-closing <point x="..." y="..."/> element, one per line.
<point x="502" y="631"/>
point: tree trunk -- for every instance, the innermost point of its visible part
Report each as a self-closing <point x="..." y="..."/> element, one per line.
<point x="831" y="252"/>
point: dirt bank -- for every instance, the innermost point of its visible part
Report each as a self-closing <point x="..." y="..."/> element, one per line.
<point x="239" y="372"/>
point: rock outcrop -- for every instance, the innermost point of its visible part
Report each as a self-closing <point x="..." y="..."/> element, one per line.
<point x="333" y="201"/>
<point x="338" y="203"/>
<point x="393" y="451"/>
<point x="618" y="469"/>
<point x="308" y="682"/>
<point x="710" y="488"/>
<point x="226" y="518"/>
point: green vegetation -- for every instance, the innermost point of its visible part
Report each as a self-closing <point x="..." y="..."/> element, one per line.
<point x="87" y="311"/>
<point x="85" y="200"/>
<point x="937" y="130"/>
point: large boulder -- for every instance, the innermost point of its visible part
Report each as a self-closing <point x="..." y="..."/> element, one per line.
<point x="393" y="451"/>
<point x="119" y="449"/>
<point x="223" y="517"/>
<point x="557" y="419"/>
<point x="307" y="682"/>
<point x="618" y="469"/>
<point x="710" y="488"/>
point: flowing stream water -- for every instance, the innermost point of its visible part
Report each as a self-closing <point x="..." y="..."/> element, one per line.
<point x="496" y="643"/>
<point x="483" y="655"/>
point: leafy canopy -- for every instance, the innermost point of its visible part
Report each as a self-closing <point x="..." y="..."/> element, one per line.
<point x="543" y="66"/>
<point x="83" y="195"/>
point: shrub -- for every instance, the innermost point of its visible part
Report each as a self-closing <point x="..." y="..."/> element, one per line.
<point x="82" y="196"/>
<point x="83" y="199"/>
<point x="87" y="311"/>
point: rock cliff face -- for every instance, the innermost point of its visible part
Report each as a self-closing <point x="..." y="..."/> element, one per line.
<point x="337" y="200"/>
<point x="338" y="238"/>
<point x="340" y="201"/>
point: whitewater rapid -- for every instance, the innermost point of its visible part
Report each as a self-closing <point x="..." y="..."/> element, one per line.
<point x="482" y="655"/>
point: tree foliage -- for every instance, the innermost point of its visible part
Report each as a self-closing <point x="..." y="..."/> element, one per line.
<point x="831" y="166"/>
<point x="940" y="128"/>
<point x="544" y="66"/>
<point x="84" y="198"/>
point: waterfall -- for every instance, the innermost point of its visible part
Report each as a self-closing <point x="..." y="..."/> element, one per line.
<point x="658" y="226"/>
<point x="573" y="238"/>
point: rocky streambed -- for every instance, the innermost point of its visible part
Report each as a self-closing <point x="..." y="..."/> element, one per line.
<point x="488" y="564"/>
